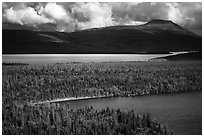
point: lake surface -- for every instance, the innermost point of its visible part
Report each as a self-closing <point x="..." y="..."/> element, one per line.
<point x="64" y="58"/>
<point x="181" y="112"/>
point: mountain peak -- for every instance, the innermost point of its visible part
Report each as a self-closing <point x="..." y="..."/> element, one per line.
<point x="167" y="24"/>
<point x="159" y="21"/>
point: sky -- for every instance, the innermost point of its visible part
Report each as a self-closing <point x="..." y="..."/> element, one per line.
<point x="72" y="16"/>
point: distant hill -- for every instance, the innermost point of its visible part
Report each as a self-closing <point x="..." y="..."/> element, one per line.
<point x="39" y="27"/>
<point x="157" y="36"/>
<point x="181" y="57"/>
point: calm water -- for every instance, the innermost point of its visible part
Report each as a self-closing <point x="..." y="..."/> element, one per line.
<point x="181" y="112"/>
<point x="64" y="58"/>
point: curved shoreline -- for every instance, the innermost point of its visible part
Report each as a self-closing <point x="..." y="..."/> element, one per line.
<point x="96" y="97"/>
<point x="69" y="99"/>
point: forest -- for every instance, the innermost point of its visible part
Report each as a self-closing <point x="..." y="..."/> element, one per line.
<point x="35" y="83"/>
<point x="61" y="120"/>
<point x="23" y="85"/>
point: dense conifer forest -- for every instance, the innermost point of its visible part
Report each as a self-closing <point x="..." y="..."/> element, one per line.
<point x="23" y="85"/>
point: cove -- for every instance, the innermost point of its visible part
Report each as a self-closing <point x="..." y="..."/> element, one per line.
<point x="181" y="112"/>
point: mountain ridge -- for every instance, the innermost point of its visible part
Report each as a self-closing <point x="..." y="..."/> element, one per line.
<point x="147" y="38"/>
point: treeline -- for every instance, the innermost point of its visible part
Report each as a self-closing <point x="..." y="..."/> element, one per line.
<point x="61" y="120"/>
<point x="13" y="64"/>
<point x="33" y="83"/>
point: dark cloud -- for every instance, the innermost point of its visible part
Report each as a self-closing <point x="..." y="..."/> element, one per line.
<point x="69" y="16"/>
<point x="192" y="14"/>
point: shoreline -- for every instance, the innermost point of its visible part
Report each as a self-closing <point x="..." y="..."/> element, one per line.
<point x="96" y="97"/>
<point x="69" y="99"/>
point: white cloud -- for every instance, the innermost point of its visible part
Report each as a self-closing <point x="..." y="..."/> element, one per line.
<point x="24" y="16"/>
<point x="132" y="22"/>
<point x="96" y="14"/>
<point x="128" y="21"/>
<point x="59" y="15"/>
<point x="72" y="16"/>
<point x="55" y="12"/>
<point x="175" y="14"/>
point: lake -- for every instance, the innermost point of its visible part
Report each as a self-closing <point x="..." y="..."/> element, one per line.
<point x="64" y="58"/>
<point x="181" y="112"/>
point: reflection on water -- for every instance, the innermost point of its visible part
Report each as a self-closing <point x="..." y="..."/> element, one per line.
<point x="182" y="112"/>
<point x="63" y="58"/>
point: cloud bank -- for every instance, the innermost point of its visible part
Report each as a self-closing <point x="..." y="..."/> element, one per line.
<point x="77" y="16"/>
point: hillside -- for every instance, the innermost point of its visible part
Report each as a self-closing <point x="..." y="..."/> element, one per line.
<point x="157" y="36"/>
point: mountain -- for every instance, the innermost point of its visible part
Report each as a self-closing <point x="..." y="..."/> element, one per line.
<point x="163" y="23"/>
<point x="13" y="26"/>
<point x="157" y="36"/>
<point x="39" y="27"/>
<point x="181" y="57"/>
